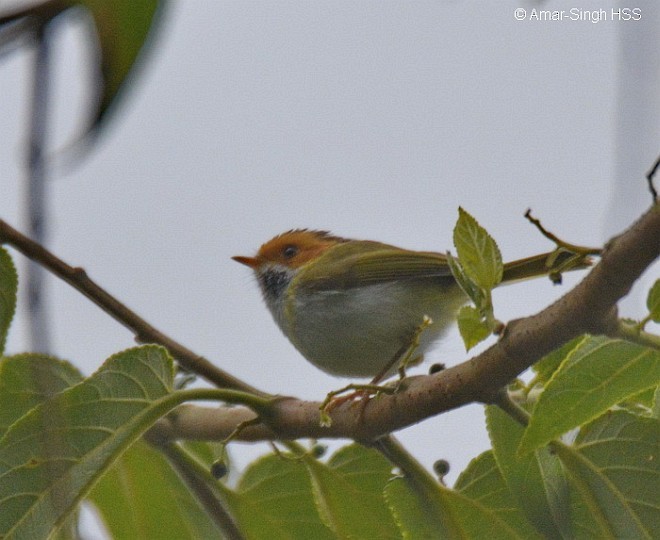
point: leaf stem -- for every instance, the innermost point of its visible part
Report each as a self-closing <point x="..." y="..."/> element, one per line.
<point x="504" y="401"/>
<point x="634" y="333"/>
<point x="203" y="486"/>
<point x="413" y="470"/>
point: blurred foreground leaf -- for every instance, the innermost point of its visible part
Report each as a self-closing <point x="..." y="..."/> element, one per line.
<point x="50" y="457"/>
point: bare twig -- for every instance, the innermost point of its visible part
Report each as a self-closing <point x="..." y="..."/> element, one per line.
<point x="558" y="241"/>
<point x="13" y="35"/>
<point x="38" y="14"/>
<point x="144" y="332"/>
<point x="37" y="216"/>
<point x="650" y="176"/>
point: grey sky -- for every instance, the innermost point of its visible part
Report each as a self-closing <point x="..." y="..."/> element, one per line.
<point x="371" y="119"/>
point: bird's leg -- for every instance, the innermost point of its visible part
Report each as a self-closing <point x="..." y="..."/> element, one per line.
<point x="404" y="358"/>
<point x="408" y="357"/>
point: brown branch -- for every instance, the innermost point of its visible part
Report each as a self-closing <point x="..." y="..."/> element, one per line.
<point x="589" y="308"/>
<point x="560" y="243"/>
<point x="39" y="14"/>
<point x="143" y="331"/>
<point x="650" y="177"/>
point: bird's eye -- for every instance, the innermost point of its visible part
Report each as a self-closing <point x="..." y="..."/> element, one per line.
<point x="290" y="251"/>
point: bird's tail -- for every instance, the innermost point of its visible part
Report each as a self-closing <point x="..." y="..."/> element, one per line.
<point x="551" y="263"/>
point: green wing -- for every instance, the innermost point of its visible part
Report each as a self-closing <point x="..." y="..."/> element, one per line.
<point x="359" y="263"/>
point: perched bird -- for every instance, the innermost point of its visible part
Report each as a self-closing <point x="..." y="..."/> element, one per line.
<point x="353" y="307"/>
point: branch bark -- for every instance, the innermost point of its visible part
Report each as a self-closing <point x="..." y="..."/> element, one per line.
<point x="143" y="331"/>
<point x="589" y="308"/>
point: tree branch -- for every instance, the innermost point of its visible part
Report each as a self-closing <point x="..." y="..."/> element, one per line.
<point x="143" y="331"/>
<point x="589" y="308"/>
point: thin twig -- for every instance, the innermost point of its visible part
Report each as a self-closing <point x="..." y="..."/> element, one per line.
<point x="650" y="176"/>
<point x="143" y="331"/>
<point x="12" y="36"/>
<point x="37" y="215"/>
<point x="560" y="243"/>
<point x="40" y="13"/>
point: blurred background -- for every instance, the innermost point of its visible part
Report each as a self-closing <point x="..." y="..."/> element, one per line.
<point x="374" y="120"/>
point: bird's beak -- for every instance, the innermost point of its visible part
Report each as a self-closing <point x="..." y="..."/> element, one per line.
<point x="252" y="262"/>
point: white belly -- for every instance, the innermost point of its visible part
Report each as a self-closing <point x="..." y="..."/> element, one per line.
<point x="356" y="333"/>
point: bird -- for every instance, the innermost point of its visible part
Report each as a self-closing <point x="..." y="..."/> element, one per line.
<point x="353" y="307"/>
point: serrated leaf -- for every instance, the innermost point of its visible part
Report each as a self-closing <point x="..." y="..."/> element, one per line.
<point x="615" y="466"/>
<point x="598" y="375"/>
<point x="536" y="480"/>
<point x="472" y="329"/>
<point x="443" y="513"/>
<point x="51" y="457"/>
<point x="419" y="516"/>
<point x="349" y="493"/>
<point x="547" y="366"/>
<point x="641" y="403"/>
<point x="8" y="288"/>
<point x="477" y="252"/>
<point x="274" y="500"/>
<point x="142" y="497"/>
<point x="26" y="380"/>
<point x="653" y="301"/>
<point x="482" y="481"/>
<point x="470" y="288"/>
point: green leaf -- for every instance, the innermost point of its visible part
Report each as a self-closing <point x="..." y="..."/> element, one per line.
<point x="550" y="363"/>
<point x="8" y="288"/>
<point x="471" y="289"/>
<point x="536" y="480"/>
<point x="26" y="380"/>
<point x="419" y="516"/>
<point x="472" y="328"/>
<point x="477" y="252"/>
<point x="615" y="466"/>
<point x="483" y="482"/>
<point x="641" y="403"/>
<point x="598" y="375"/>
<point x="51" y="457"/>
<point x="443" y="513"/>
<point x="349" y="493"/>
<point x="142" y="497"/>
<point x="274" y="500"/>
<point x="653" y="302"/>
<point x="122" y="27"/>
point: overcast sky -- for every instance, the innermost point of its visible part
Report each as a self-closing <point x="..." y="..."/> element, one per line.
<point x="374" y="120"/>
